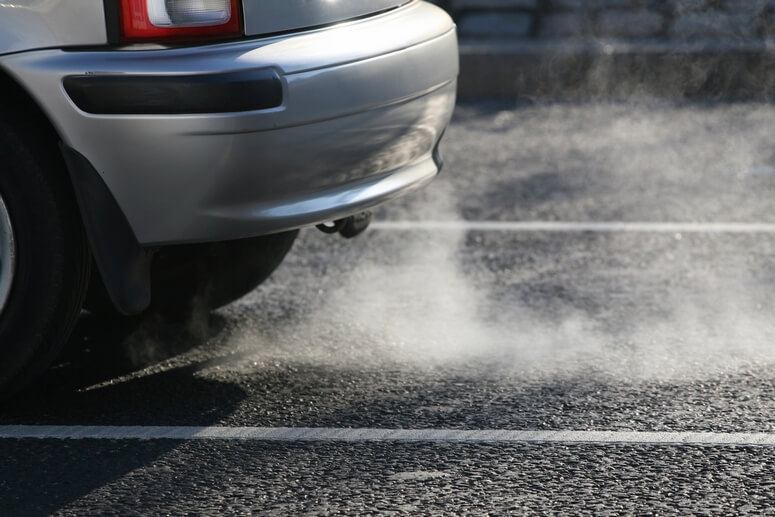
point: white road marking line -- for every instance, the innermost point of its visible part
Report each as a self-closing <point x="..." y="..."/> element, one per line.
<point x="574" y="226"/>
<point x="351" y="435"/>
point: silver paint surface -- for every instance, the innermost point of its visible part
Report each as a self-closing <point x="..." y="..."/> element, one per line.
<point x="268" y="16"/>
<point x="364" y="105"/>
<point x="34" y="24"/>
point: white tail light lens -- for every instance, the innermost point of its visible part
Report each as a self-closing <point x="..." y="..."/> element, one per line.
<point x="188" y="13"/>
<point x="178" y="20"/>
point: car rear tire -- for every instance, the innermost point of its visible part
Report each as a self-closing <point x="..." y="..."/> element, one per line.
<point x="45" y="256"/>
<point x="193" y="279"/>
<point x="203" y="277"/>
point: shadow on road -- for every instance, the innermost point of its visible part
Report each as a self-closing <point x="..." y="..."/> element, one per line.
<point x="91" y="384"/>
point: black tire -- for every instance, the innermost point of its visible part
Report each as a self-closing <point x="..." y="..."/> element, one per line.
<point x="52" y="260"/>
<point x="193" y="279"/>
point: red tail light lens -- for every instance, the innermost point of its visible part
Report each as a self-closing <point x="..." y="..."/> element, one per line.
<point x="176" y="20"/>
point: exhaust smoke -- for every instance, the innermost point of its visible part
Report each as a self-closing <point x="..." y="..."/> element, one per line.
<point x="637" y="306"/>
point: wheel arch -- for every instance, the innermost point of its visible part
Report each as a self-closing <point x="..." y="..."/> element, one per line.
<point x="121" y="261"/>
<point x="14" y="98"/>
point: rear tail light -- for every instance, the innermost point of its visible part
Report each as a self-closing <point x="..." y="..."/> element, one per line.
<point x="175" y="20"/>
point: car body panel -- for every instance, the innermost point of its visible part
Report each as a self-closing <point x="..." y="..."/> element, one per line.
<point x="364" y="105"/>
<point x="34" y="24"/>
<point x="270" y="16"/>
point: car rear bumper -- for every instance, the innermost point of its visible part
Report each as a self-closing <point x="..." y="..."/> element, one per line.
<point x="314" y="126"/>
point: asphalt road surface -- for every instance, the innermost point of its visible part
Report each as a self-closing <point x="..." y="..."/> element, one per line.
<point x="588" y="289"/>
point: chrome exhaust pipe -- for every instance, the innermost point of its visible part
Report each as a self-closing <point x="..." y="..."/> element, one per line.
<point x="348" y="227"/>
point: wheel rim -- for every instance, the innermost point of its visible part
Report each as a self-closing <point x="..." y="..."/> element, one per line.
<point x="7" y="255"/>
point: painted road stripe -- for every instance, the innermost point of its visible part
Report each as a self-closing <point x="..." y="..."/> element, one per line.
<point x="571" y="227"/>
<point x="350" y="435"/>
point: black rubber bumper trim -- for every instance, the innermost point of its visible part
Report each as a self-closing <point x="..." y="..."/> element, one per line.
<point x="438" y="159"/>
<point x="227" y="92"/>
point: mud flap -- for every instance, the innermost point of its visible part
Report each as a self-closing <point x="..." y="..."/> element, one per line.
<point x="122" y="262"/>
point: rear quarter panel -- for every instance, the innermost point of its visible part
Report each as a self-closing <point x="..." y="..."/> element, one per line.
<point x="34" y="24"/>
<point x="270" y="16"/>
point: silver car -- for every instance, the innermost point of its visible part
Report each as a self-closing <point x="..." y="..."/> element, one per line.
<point x="161" y="154"/>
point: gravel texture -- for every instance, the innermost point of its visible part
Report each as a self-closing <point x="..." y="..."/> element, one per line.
<point x="168" y="478"/>
<point x="465" y="330"/>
